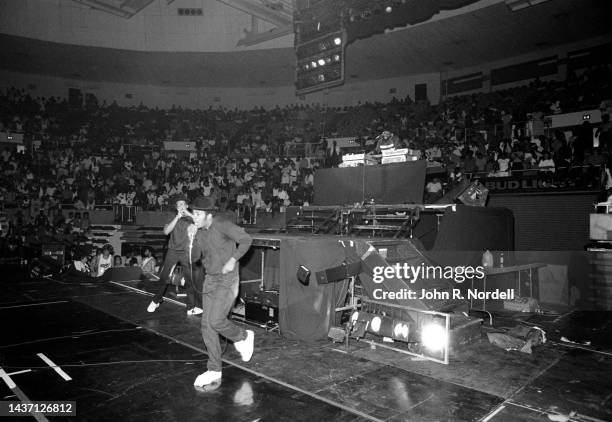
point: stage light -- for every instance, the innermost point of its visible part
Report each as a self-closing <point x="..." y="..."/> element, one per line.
<point x="313" y="64"/>
<point x="433" y="337"/>
<point x="337" y="40"/>
<point x="381" y="325"/>
<point x="388" y="9"/>
<point x="336" y="57"/>
<point x="303" y="275"/>
<point x="375" y="324"/>
<point x="321" y="62"/>
<point x="401" y="330"/>
<point x="359" y="323"/>
<point x="321" y="78"/>
<point x="475" y="194"/>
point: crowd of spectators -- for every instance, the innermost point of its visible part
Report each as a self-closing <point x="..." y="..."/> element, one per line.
<point x="88" y="156"/>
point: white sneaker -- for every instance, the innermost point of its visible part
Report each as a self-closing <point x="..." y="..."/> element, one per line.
<point x="152" y="307"/>
<point x="207" y="378"/>
<point x="245" y="347"/>
<point x="195" y="311"/>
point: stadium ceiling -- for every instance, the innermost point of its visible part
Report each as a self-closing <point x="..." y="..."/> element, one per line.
<point x="123" y="8"/>
<point x="277" y="12"/>
<point x="460" y="42"/>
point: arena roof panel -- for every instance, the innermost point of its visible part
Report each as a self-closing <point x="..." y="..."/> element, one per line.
<point x="484" y="35"/>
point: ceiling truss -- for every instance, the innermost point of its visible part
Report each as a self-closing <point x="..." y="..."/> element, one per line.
<point x="277" y="12"/>
<point x="123" y="8"/>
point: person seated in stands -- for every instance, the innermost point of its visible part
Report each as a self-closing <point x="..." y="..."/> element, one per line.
<point x="503" y="163"/>
<point x="247" y="211"/>
<point x="78" y="269"/>
<point x="492" y="166"/>
<point x="308" y="177"/>
<point x="91" y="201"/>
<point x="604" y="132"/>
<point x="103" y="261"/>
<point x="546" y="163"/>
<point x="556" y="107"/>
<point x="148" y="264"/>
<point x="607" y="177"/>
<point x="70" y="218"/>
<point x="76" y="223"/>
<point x="433" y="191"/>
<point x="78" y="204"/>
<point x="481" y="162"/>
<point x="547" y="166"/>
<point x="456" y="176"/>
<point x="81" y="262"/>
<point x="66" y="194"/>
<point x="128" y="257"/>
<point x="296" y="194"/>
<point x="469" y="163"/>
<point x="517" y="163"/>
<point x="85" y="223"/>
<point x="267" y="206"/>
<point x="117" y="261"/>
<point x="41" y="219"/>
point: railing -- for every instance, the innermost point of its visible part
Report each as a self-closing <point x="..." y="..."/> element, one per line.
<point x="247" y="214"/>
<point x="125" y="213"/>
<point x="140" y="148"/>
<point x="300" y="149"/>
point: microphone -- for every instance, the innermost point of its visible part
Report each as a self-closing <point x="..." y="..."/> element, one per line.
<point x="191" y="232"/>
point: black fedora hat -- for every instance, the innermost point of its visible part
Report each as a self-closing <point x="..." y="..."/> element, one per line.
<point x="203" y="203"/>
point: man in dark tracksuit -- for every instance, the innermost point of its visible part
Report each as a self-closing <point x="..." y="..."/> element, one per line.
<point x="220" y="243"/>
<point x="177" y="252"/>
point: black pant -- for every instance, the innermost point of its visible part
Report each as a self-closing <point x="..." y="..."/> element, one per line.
<point x="218" y="296"/>
<point x="172" y="258"/>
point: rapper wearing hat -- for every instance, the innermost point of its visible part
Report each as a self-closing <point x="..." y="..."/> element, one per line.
<point x="177" y="253"/>
<point x="220" y="244"/>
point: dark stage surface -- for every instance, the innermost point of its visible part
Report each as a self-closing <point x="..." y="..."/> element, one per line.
<point x="127" y="364"/>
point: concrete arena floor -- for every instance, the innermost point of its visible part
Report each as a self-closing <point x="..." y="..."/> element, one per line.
<point x="127" y="364"/>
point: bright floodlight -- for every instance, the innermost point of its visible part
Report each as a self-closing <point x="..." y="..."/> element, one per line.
<point x="321" y="62"/>
<point x="400" y="330"/>
<point x="376" y="323"/>
<point x="433" y="337"/>
<point x="337" y="40"/>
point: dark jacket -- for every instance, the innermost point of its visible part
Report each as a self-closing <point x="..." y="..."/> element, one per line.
<point x="220" y="242"/>
<point x="178" y="237"/>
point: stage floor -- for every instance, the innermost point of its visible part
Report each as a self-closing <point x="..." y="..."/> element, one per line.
<point x="126" y="364"/>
